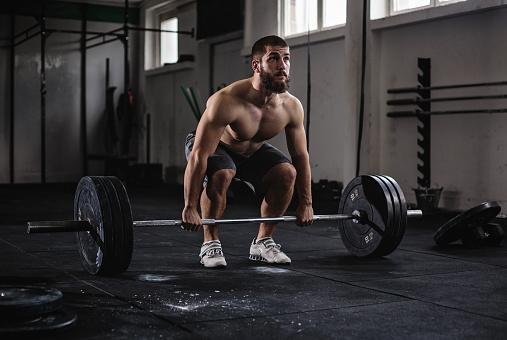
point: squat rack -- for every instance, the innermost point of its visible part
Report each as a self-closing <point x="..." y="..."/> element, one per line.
<point x="121" y="33"/>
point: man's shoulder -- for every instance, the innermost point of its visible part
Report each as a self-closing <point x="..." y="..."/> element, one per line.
<point x="239" y="89"/>
<point x="235" y="92"/>
<point x="289" y="100"/>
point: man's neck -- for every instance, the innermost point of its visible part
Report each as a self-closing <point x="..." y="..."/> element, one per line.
<point x="262" y="96"/>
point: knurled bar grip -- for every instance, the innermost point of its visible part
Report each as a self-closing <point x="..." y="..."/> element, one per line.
<point x="244" y="220"/>
<point x="75" y="226"/>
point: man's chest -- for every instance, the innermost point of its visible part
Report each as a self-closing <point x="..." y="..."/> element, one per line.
<point x="260" y="124"/>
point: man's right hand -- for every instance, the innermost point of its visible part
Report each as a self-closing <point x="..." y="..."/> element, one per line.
<point x="191" y="219"/>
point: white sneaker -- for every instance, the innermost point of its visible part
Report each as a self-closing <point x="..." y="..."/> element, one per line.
<point x="266" y="250"/>
<point x="212" y="255"/>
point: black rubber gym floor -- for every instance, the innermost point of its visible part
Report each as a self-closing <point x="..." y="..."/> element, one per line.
<point x="420" y="291"/>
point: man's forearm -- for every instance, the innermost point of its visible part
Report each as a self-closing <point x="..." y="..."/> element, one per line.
<point x="303" y="179"/>
<point x="194" y="177"/>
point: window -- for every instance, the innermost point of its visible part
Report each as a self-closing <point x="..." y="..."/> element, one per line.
<point x="163" y="48"/>
<point x="301" y="16"/>
<point x="384" y="8"/>
<point x="334" y="13"/>
<point x="403" y="5"/>
<point x="408" y="5"/>
<point x="169" y="41"/>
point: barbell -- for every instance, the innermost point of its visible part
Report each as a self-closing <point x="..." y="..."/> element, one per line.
<point x="372" y="217"/>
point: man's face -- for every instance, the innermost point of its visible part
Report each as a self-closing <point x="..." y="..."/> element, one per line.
<point x="274" y="69"/>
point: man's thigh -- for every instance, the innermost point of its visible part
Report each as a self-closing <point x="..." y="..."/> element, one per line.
<point x="258" y="165"/>
<point x="219" y="160"/>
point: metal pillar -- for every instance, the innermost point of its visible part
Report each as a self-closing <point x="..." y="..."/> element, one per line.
<point x="43" y="93"/>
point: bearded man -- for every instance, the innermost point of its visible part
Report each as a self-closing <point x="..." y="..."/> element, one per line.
<point x="230" y="141"/>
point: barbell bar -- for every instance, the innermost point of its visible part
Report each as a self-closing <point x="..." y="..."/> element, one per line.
<point x="374" y="225"/>
<point x="77" y="226"/>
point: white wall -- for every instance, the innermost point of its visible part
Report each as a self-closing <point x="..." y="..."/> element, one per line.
<point x="469" y="152"/>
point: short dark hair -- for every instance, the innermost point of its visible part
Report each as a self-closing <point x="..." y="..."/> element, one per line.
<point x="259" y="48"/>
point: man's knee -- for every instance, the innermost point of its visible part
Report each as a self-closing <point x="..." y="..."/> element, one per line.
<point x="220" y="181"/>
<point x="283" y="174"/>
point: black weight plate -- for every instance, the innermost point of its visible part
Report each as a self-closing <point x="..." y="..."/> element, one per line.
<point x="364" y="193"/>
<point x="403" y="208"/>
<point x="57" y="320"/>
<point x="453" y="229"/>
<point x="389" y="241"/>
<point x="29" y="301"/>
<point x="397" y="208"/>
<point x="91" y="203"/>
<point x="389" y="232"/>
<point x="117" y="242"/>
<point x="128" y="232"/>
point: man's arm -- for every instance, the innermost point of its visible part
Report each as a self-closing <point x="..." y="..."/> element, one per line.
<point x="208" y="134"/>
<point x="296" y="144"/>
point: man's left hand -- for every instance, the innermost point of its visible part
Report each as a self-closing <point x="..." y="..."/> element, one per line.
<point x="304" y="215"/>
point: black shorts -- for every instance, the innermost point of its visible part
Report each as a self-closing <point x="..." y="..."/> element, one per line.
<point x="249" y="168"/>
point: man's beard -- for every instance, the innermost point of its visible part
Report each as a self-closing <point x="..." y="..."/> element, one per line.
<point x="272" y="85"/>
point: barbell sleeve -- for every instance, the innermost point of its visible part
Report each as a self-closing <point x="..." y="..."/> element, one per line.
<point x="416" y="213"/>
<point x="58" y="226"/>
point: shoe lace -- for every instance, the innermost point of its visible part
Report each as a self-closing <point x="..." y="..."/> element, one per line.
<point x="275" y="246"/>
<point x="213" y="251"/>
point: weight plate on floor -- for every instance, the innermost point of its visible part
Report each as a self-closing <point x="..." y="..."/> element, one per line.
<point x="91" y="203"/>
<point x="494" y="234"/>
<point x="453" y="229"/>
<point x="473" y="237"/>
<point x="128" y="230"/>
<point x="57" y="320"/>
<point x="29" y="301"/>
<point x="365" y="194"/>
<point x="389" y="241"/>
<point x="403" y="209"/>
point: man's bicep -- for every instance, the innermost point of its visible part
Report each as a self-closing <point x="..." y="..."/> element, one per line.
<point x="210" y="129"/>
<point x="296" y="140"/>
<point x="207" y="137"/>
<point x="295" y="131"/>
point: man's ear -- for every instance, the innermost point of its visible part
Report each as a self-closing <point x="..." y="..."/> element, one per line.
<point x="256" y="66"/>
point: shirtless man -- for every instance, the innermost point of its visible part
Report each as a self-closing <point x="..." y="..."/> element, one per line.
<point x="230" y="142"/>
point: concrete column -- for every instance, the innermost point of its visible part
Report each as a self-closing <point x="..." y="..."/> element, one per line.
<point x="352" y="76"/>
